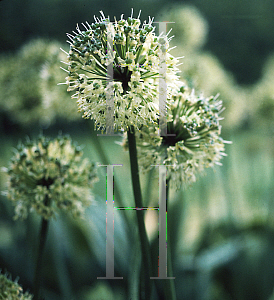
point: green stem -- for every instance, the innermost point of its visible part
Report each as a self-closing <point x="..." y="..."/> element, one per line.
<point x="145" y="249"/>
<point x="170" y="293"/>
<point x="41" y="247"/>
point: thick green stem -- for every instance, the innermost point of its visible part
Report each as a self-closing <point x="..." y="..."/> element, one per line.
<point x="38" y="267"/>
<point x="170" y="293"/>
<point x="145" y="248"/>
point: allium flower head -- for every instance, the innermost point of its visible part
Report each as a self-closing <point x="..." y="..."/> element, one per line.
<point x="135" y="57"/>
<point x="28" y="79"/>
<point x="192" y="142"/>
<point x="11" y="290"/>
<point x="48" y="175"/>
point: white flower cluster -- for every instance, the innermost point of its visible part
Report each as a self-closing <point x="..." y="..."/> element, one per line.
<point x="143" y="73"/>
<point x="192" y="142"/>
<point x="135" y="54"/>
<point x="48" y="175"/>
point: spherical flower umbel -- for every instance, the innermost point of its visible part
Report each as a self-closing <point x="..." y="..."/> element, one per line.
<point x="192" y="142"/>
<point x="11" y="290"/>
<point x="49" y="175"/>
<point x="133" y="54"/>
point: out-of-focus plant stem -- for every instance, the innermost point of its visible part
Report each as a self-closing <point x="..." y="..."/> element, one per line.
<point x="145" y="248"/>
<point x="39" y="259"/>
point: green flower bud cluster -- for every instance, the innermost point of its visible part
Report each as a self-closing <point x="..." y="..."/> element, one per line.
<point x="135" y="54"/>
<point x="11" y="290"/>
<point x="49" y="175"/>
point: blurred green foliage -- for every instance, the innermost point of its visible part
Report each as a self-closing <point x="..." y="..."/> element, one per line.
<point x="222" y="227"/>
<point x="241" y="33"/>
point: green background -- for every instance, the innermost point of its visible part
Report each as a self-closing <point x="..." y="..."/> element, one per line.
<point x="222" y="237"/>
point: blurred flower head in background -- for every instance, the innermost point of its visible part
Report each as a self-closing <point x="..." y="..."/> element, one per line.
<point x="261" y="97"/>
<point x="202" y="70"/>
<point x="188" y="26"/>
<point x="11" y="290"/>
<point x="55" y="103"/>
<point x="205" y="73"/>
<point x="47" y="175"/>
<point x="192" y="142"/>
<point x="136" y="59"/>
<point x="28" y="83"/>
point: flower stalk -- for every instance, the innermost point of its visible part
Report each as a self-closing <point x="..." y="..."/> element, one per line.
<point x="39" y="259"/>
<point x="145" y="248"/>
<point x="169" y="287"/>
